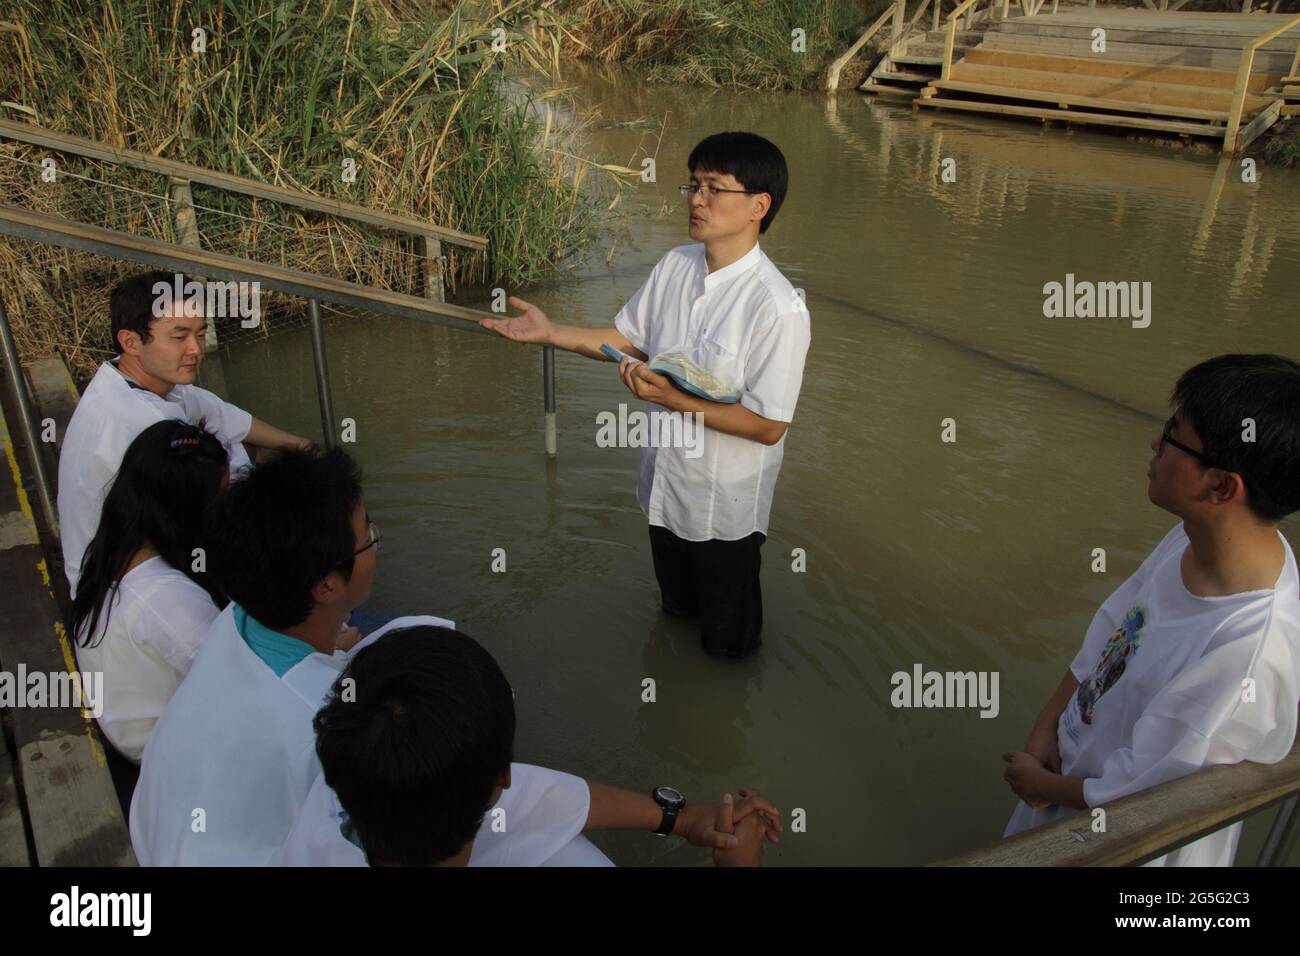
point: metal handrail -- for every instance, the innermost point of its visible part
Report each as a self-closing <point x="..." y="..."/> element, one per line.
<point x="22" y="223"/>
<point x="1230" y="136"/>
<point x="1156" y="821"/>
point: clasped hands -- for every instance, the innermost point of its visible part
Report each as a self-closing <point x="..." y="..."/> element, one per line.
<point x="734" y="831"/>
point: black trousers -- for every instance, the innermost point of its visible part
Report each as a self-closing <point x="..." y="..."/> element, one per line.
<point x="716" y="581"/>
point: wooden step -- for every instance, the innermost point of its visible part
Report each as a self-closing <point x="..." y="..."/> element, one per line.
<point x="1116" y="32"/>
<point x="963" y="37"/>
<point x="903" y="76"/>
<point x="1132" y="96"/>
<point x="1118" y="69"/>
<point x="936" y="49"/>
<point x="889" y="89"/>
<point x="1264" y="62"/>
<point x="1071" y="100"/>
<point x="908" y="58"/>
<point x="1076" y="116"/>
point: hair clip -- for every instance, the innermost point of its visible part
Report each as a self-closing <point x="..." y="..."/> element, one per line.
<point x="178" y="442"/>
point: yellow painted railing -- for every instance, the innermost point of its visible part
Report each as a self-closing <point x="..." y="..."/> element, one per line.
<point x="951" y="38"/>
<point x="1231" y="135"/>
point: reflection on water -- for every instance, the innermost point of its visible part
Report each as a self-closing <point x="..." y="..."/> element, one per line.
<point x="926" y="299"/>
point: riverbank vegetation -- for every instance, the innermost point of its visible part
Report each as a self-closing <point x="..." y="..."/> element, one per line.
<point x="744" y="44"/>
<point x="419" y="99"/>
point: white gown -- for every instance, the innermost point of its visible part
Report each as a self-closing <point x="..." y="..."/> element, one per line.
<point x="1162" y="690"/>
<point x="107" y="419"/>
<point x="233" y="755"/>
<point x="543" y="813"/>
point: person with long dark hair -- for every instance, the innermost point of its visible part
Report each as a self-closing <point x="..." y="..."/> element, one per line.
<point x="144" y="600"/>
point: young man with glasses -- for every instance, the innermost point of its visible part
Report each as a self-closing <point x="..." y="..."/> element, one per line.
<point x="231" y="758"/>
<point x="1195" y="660"/>
<point x="722" y="302"/>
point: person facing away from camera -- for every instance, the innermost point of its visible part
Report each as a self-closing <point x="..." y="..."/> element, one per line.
<point x="145" y="599"/>
<point x="416" y="747"/>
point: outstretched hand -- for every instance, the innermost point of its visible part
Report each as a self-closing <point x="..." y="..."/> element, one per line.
<point x="532" y="326"/>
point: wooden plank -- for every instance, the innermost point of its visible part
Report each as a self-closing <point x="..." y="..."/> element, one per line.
<point x="1119" y="29"/>
<point x="1141" y="96"/>
<point x="187" y="234"/>
<point x="1265" y="62"/>
<point x="1099" y="103"/>
<point x="1291" y="110"/>
<point x="1118" y="69"/>
<point x="64" y="143"/>
<point x="1150" y="823"/>
<point x="1075" y="116"/>
<point x="72" y="805"/>
<point x="1266" y="118"/>
<point x="900" y="76"/>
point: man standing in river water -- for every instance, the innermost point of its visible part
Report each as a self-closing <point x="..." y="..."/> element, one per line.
<point x="722" y="302"/>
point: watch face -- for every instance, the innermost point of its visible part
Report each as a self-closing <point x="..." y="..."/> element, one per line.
<point x="670" y="798"/>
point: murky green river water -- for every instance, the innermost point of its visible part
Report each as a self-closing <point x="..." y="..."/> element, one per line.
<point x="927" y="303"/>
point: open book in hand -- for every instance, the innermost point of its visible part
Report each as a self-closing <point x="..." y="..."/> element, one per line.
<point x="687" y="375"/>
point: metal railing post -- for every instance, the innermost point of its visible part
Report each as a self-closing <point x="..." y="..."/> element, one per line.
<point x="322" y="375"/>
<point x="1281" y="834"/>
<point x="548" y="397"/>
<point x="14" y="372"/>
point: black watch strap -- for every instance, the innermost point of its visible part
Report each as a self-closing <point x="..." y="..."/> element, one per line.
<point x="671" y="808"/>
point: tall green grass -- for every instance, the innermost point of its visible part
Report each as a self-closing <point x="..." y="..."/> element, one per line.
<point x="744" y="44"/>
<point x="285" y="91"/>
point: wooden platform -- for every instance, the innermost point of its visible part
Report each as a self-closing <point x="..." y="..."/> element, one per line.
<point x="1165" y="72"/>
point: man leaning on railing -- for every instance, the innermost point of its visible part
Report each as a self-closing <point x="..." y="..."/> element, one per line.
<point x="1194" y="660"/>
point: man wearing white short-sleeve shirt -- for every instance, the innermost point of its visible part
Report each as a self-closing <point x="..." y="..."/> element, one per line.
<point x="722" y="303"/>
<point x="1194" y="661"/>
<point x="151" y="379"/>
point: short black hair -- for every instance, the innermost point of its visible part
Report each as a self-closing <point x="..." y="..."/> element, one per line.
<point x="280" y="528"/>
<point x="1218" y="395"/>
<point x="130" y="304"/>
<point x="757" y="164"/>
<point x="414" y="750"/>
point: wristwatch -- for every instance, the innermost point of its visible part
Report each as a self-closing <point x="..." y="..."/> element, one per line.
<point x="672" y="803"/>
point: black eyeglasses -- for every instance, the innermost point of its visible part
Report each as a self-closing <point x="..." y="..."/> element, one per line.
<point x="1167" y="438"/>
<point x="375" y="538"/>
<point x="692" y="188"/>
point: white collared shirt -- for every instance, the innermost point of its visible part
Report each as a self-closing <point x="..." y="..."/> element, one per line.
<point x="109" y="416"/>
<point x="745" y="324"/>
